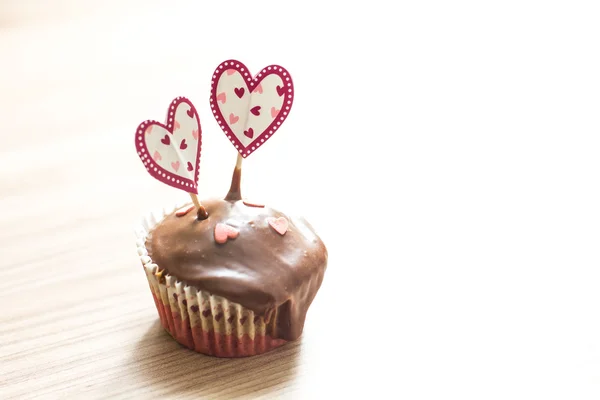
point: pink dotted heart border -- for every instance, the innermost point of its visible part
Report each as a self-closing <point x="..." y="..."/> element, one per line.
<point x="251" y="82"/>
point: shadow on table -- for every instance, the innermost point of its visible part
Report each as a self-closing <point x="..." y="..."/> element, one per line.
<point x="169" y="368"/>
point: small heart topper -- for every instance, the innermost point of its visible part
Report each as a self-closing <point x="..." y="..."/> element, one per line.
<point x="250" y="109"/>
<point x="171" y="152"/>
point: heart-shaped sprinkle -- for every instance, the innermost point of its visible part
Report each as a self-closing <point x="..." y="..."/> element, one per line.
<point x="258" y="89"/>
<point x="190" y="113"/>
<point x="279" y="224"/>
<point x="166" y="140"/>
<point x="176" y="125"/>
<point x="183" y="211"/>
<point x="239" y="92"/>
<point x="280" y="91"/>
<point x="183" y="145"/>
<point x="222" y="97"/>
<point x="149" y="130"/>
<point x="249" y="133"/>
<point x="175" y="165"/>
<point x="233" y="118"/>
<point x="251" y="204"/>
<point x="230" y="71"/>
<point x="274" y="112"/>
<point x="256" y="110"/>
<point x="195" y="134"/>
<point x="157" y="156"/>
<point x="190" y="167"/>
<point x="224" y="232"/>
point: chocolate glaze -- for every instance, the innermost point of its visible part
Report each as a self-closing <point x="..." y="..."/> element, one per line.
<point x="260" y="269"/>
<point x="235" y="191"/>
<point x="201" y="213"/>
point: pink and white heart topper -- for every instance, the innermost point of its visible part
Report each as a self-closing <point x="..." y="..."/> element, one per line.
<point x="171" y="152"/>
<point x="250" y="109"/>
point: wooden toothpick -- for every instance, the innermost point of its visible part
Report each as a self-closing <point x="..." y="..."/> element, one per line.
<point x="195" y="200"/>
<point x="235" y="191"/>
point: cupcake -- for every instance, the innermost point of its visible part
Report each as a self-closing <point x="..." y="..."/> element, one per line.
<point x="229" y="278"/>
<point x="236" y="284"/>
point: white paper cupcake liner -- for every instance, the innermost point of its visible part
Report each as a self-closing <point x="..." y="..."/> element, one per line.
<point x="197" y="319"/>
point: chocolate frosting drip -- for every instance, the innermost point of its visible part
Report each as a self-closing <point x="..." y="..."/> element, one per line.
<point x="235" y="191"/>
<point x="260" y="269"/>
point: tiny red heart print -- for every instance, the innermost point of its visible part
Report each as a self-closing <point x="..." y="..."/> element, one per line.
<point x="165" y="148"/>
<point x="238" y="99"/>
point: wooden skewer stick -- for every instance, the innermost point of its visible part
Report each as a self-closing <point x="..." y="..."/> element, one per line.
<point x="235" y="191"/>
<point x="201" y="211"/>
<point x="195" y="200"/>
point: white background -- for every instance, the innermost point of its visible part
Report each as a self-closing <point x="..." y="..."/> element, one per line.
<point x="447" y="153"/>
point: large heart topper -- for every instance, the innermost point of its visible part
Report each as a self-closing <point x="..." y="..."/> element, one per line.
<point x="250" y="109"/>
<point x="171" y="152"/>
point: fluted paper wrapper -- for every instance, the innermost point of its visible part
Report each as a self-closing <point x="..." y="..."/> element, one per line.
<point x="199" y="320"/>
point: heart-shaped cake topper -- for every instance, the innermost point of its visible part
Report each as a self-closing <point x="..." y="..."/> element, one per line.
<point x="250" y="109"/>
<point x="171" y="152"/>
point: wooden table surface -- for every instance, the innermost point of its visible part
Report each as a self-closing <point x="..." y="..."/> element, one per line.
<point x="446" y="153"/>
<point x="79" y="320"/>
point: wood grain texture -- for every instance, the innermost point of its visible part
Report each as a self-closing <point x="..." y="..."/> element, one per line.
<point x="78" y="319"/>
<point x="445" y="152"/>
